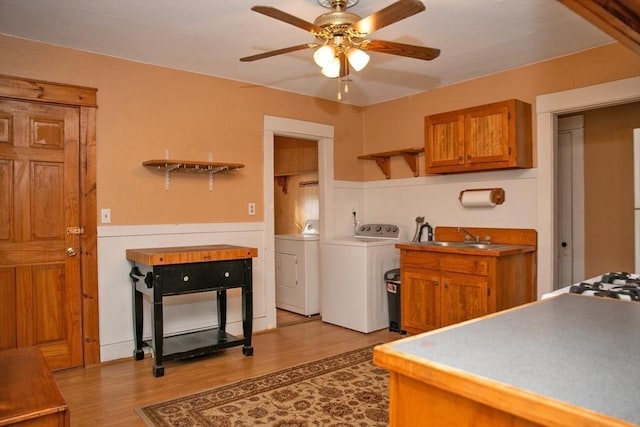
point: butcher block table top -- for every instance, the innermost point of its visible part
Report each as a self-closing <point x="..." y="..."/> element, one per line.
<point x="28" y="392"/>
<point x="189" y="254"/>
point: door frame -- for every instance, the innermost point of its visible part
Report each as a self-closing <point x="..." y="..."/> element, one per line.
<point x="322" y="133"/>
<point x="548" y="107"/>
<point x="574" y="214"/>
<point x="84" y="98"/>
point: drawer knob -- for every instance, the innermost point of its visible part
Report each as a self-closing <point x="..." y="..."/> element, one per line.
<point x="227" y="274"/>
<point x="185" y="278"/>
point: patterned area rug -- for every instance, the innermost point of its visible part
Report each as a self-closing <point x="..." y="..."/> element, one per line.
<point x="343" y="390"/>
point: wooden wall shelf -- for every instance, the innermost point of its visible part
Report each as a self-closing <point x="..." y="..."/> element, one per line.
<point x="384" y="159"/>
<point x="189" y="166"/>
<point x="282" y="179"/>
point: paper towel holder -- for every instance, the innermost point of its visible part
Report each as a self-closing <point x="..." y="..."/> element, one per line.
<point x="496" y="194"/>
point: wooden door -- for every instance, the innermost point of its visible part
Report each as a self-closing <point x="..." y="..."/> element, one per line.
<point x="40" y="286"/>
<point x="444" y="140"/>
<point x="464" y="297"/>
<point x="420" y="294"/>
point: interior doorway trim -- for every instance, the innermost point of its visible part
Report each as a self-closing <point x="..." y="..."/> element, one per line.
<point x="280" y="126"/>
<point x="85" y="99"/>
<point x="548" y="107"/>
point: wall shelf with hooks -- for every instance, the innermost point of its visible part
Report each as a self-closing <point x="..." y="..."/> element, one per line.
<point x="189" y="166"/>
<point x="384" y="159"/>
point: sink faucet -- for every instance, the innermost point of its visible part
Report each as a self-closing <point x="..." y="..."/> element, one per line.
<point x="470" y="236"/>
<point x="429" y="232"/>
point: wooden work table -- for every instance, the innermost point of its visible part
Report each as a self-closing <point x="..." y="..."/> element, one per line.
<point x="163" y="272"/>
<point x="28" y="392"/>
<point x="564" y="361"/>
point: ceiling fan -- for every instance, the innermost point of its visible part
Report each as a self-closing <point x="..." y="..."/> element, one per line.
<point x="341" y="42"/>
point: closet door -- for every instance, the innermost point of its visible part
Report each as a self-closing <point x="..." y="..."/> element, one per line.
<point x="40" y="283"/>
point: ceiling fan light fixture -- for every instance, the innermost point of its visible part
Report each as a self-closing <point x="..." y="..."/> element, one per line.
<point x="358" y="58"/>
<point x="324" y="55"/>
<point x="332" y="69"/>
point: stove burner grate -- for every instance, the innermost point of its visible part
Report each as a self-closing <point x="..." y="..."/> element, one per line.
<point x="611" y="285"/>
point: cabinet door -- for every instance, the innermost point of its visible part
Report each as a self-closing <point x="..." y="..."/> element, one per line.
<point x="464" y="297"/>
<point x="487" y="137"/>
<point x="444" y="140"/>
<point x="293" y="156"/>
<point x="420" y="300"/>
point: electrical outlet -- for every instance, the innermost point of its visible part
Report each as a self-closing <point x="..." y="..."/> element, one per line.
<point x="251" y="207"/>
<point x="105" y="216"/>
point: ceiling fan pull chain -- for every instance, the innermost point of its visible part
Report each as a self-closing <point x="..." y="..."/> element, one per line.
<point x="339" y="91"/>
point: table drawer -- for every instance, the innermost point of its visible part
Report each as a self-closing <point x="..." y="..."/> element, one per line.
<point x="193" y="277"/>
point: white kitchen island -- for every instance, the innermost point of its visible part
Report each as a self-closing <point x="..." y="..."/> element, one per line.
<point x="564" y="361"/>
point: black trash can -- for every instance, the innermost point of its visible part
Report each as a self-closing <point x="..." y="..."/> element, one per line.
<point x="392" y="282"/>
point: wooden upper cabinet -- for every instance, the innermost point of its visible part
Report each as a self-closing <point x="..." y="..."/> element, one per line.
<point x="444" y="135"/>
<point x="487" y="137"/>
<point x="293" y="156"/>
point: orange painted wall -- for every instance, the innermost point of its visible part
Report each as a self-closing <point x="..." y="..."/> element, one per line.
<point x="400" y="123"/>
<point x="608" y="188"/>
<point x="145" y="110"/>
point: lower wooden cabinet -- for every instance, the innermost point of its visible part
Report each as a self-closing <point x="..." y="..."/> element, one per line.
<point x="443" y="289"/>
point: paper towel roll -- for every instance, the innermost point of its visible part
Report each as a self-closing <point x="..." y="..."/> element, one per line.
<point x="482" y="198"/>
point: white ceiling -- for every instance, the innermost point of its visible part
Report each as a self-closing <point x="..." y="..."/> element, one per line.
<point x="476" y="38"/>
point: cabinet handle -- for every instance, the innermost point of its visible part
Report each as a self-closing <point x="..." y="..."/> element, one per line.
<point x="446" y="285"/>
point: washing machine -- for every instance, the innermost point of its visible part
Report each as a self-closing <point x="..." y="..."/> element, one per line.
<point x="297" y="271"/>
<point x="352" y="277"/>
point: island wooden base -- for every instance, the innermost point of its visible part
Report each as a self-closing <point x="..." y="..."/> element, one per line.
<point x="414" y="403"/>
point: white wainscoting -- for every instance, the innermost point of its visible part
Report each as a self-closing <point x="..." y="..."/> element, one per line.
<point x="400" y="201"/>
<point x="397" y="201"/>
<point x="181" y="313"/>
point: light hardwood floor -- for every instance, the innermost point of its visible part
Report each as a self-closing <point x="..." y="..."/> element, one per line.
<point x="107" y="394"/>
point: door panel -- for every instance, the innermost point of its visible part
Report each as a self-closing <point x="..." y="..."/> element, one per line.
<point x="39" y="179"/>
<point x="464" y="297"/>
<point x="420" y="300"/>
<point x="444" y="136"/>
<point x="488" y="135"/>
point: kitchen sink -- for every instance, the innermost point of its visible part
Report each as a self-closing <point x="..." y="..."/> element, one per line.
<point x="451" y="244"/>
<point x="478" y="245"/>
<point x="443" y="243"/>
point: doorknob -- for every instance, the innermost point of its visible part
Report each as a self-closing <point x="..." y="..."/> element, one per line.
<point x="71" y="252"/>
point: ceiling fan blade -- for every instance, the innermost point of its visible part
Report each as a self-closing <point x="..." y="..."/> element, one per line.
<point x="393" y="13"/>
<point x="276" y="52"/>
<point x="285" y="17"/>
<point x="408" y="50"/>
